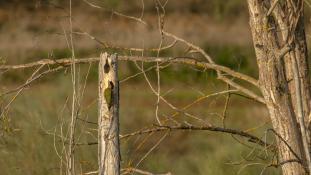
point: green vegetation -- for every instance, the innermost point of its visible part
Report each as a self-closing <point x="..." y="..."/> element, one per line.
<point x="29" y="149"/>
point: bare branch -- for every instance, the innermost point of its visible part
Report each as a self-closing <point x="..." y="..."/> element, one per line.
<point x="131" y="170"/>
<point x="182" y="60"/>
<point x="272" y="7"/>
<point x="251" y="138"/>
<point x="118" y="13"/>
<point x="113" y="46"/>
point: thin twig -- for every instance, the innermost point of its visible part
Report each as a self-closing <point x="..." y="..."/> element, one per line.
<point x="272" y="7"/>
<point x="143" y="172"/>
<point x="251" y="138"/>
<point x="182" y="60"/>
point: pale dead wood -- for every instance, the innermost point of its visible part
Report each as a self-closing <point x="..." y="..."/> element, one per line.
<point x="300" y="114"/>
<point x="72" y="126"/>
<point x="91" y="172"/>
<point x="272" y="7"/>
<point x="161" y="14"/>
<point x="131" y="170"/>
<point x="108" y="120"/>
<point x="225" y="110"/>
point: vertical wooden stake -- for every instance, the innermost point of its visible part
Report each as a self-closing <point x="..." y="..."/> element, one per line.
<point x="108" y="120"/>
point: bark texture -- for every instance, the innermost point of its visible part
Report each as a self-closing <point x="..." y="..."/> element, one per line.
<point x="290" y="20"/>
<point x="108" y="129"/>
<point x="278" y="39"/>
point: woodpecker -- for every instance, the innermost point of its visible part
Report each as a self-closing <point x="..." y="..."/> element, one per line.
<point x="108" y="93"/>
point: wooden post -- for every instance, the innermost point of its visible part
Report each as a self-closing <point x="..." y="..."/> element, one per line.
<point x="108" y="120"/>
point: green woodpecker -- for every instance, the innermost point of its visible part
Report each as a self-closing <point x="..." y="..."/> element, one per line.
<point x="108" y="94"/>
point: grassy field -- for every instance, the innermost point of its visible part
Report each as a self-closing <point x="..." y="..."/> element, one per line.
<point x="30" y="145"/>
<point x="29" y="140"/>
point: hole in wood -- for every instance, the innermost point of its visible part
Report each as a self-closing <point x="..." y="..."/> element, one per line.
<point x="106" y="67"/>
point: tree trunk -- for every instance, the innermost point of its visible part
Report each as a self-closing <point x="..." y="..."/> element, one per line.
<point x="299" y="51"/>
<point x="278" y="39"/>
<point x="108" y="121"/>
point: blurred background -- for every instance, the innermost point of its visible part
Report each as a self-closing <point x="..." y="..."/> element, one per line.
<point x="32" y="30"/>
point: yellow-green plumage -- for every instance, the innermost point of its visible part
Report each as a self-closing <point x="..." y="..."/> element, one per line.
<point x="107" y="94"/>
